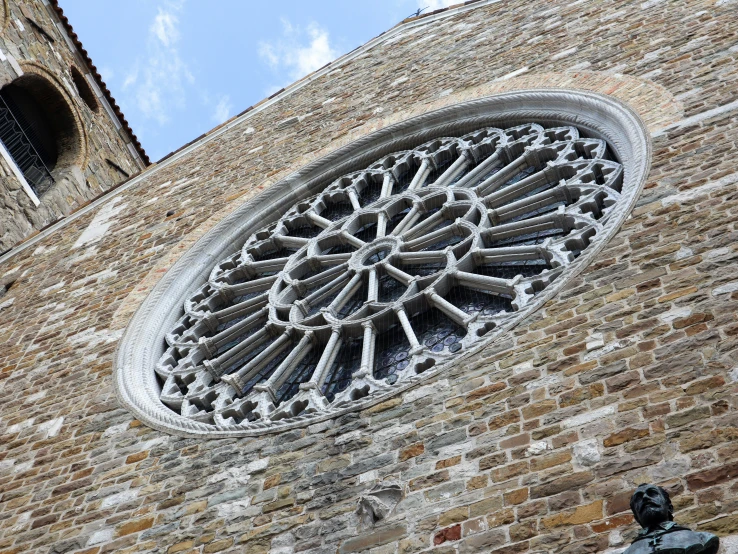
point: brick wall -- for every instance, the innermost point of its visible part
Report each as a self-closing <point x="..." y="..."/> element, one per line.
<point x="533" y="445"/>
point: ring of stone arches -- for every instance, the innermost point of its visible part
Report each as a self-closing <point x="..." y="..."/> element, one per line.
<point x="73" y="140"/>
<point x="137" y="388"/>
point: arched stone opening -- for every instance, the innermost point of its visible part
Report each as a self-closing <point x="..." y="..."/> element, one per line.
<point x="39" y="129"/>
<point x="84" y="90"/>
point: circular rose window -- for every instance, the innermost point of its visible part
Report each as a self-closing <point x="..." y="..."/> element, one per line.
<point x="377" y="272"/>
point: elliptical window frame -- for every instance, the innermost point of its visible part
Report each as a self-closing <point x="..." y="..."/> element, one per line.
<point x="143" y="342"/>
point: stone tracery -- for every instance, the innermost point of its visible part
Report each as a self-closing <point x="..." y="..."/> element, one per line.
<point x="389" y="271"/>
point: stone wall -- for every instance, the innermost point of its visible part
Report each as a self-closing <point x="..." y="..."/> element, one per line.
<point x="533" y="445"/>
<point x="33" y="40"/>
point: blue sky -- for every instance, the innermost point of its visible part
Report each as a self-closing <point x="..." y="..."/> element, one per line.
<point x="177" y="68"/>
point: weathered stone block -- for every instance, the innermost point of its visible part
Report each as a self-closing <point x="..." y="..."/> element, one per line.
<point x="377" y="538"/>
<point x="567" y="482"/>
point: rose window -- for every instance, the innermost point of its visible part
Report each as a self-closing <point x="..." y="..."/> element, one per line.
<point x="387" y="273"/>
<point x="379" y="265"/>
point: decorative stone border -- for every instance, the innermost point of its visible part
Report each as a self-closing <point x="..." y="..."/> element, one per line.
<point x="80" y="158"/>
<point x="142" y="344"/>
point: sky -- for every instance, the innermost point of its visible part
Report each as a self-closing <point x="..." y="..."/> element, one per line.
<point x="178" y="68"/>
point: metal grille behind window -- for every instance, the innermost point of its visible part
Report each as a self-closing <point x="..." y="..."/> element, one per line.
<point x="25" y="145"/>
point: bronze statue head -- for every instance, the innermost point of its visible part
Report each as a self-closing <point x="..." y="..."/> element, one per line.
<point x="651" y="506"/>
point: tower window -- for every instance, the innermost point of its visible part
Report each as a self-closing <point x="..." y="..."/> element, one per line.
<point x="37" y="128"/>
<point x="85" y="92"/>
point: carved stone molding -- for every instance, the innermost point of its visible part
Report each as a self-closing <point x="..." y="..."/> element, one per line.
<point x="556" y="136"/>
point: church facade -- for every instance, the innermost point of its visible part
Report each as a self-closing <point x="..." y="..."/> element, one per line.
<point x="461" y="290"/>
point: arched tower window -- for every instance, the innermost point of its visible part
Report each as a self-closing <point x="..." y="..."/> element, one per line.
<point x="37" y="128"/>
<point x="85" y="92"/>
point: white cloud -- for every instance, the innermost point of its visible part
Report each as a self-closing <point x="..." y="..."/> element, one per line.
<point x="268" y="54"/>
<point x="437" y="4"/>
<point x="165" y="27"/>
<point x="222" y="110"/>
<point x="157" y="85"/>
<point x="107" y="73"/>
<point x="299" y="51"/>
<point x="131" y="77"/>
<point x="316" y="55"/>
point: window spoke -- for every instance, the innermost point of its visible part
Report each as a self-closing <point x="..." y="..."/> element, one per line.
<point x="387" y="272"/>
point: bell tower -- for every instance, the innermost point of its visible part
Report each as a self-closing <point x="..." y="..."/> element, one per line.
<point x="63" y="139"/>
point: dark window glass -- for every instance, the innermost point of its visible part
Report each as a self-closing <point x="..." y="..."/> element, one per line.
<point x="28" y="136"/>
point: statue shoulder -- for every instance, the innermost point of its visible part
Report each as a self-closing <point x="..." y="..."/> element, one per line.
<point x="639" y="547"/>
<point x="677" y="541"/>
<point x="710" y="541"/>
<point x="693" y="542"/>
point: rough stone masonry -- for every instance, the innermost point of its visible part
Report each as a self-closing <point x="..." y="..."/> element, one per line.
<point x="533" y="445"/>
<point x="34" y="42"/>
